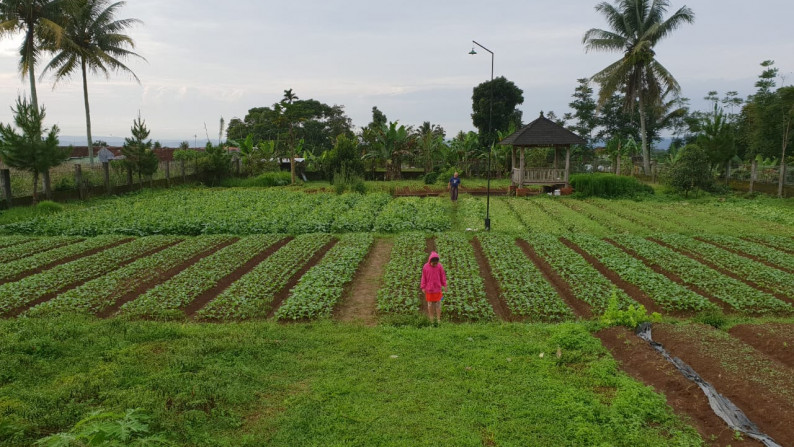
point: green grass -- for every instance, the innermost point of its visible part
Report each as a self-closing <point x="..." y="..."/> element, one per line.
<point x="328" y="384"/>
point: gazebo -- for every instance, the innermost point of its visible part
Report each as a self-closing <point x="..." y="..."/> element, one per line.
<point x="542" y="133"/>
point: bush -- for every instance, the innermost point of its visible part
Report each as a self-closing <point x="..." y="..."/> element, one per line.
<point x="608" y="186"/>
<point x="692" y="170"/>
<point x="266" y="180"/>
<point x="431" y="178"/>
<point x="444" y="176"/>
<point x="48" y="207"/>
<point x="631" y="317"/>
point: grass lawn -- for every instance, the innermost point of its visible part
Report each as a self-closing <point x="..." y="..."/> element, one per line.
<point x="328" y="384"/>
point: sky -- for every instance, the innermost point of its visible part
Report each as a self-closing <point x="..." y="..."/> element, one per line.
<point x="208" y="59"/>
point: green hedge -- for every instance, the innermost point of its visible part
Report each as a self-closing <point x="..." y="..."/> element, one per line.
<point x="608" y="185"/>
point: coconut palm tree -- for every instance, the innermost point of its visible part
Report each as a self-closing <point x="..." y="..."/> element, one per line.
<point x="636" y="26"/>
<point x="40" y="22"/>
<point x="93" y="40"/>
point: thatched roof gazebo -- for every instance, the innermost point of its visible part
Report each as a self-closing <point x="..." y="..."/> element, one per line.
<point x="542" y="133"/>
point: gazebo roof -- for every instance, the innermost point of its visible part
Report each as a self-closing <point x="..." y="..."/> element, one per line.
<point x="543" y="132"/>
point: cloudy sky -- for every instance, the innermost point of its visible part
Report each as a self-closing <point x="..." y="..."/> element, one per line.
<point x="211" y="59"/>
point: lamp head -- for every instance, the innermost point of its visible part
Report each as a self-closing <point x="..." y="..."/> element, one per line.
<point x="472" y="51"/>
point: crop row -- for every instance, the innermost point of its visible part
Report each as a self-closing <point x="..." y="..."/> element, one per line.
<point x="666" y="293"/>
<point x="9" y="241"/>
<point x="784" y="243"/>
<point x="737" y="294"/>
<point x="764" y="253"/>
<point x="614" y="223"/>
<point x="104" y="292"/>
<point x="535" y="220"/>
<point x="754" y="272"/>
<point x="573" y="221"/>
<point x="252" y="295"/>
<point x="400" y="290"/>
<point x="15" y="268"/>
<point x="20" y="251"/>
<point x="321" y="288"/>
<point x="627" y="210"/>
<point x="465" y="297"/>
<point x="165" y="300"/>
<point x="522" y="285"/>
<point x="586" y="283"/>
<point x="414" y="214"/>
<point x="27" y="290"/>
<point x="361" y="216"/>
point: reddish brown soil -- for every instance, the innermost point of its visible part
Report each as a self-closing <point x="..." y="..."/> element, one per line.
<point x="725" y="272"/>
<point x="747" y="255"/>
<point x="631" y="290"/>
<point x="758" y="385"/>
<point x="640" y="361"/>
<point x="773" y="339"/>
<point x="580" y="308"/>
<point x="360" y="304"/>
<point x="224" y="283"/>
<point x="53" y="294"/>
<point x="491" y="285"/>
<point x="675" y="278"/>
<point x="63" y="261"/>
<point x="767" y="244"/>
<point x="284" y="293"/>
<point x="140" y="289"/>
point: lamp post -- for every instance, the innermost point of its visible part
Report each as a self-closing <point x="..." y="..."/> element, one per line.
<point x="490" y="148"/>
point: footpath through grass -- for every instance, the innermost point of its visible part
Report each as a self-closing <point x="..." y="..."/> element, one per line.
<point x="328" y="384"/>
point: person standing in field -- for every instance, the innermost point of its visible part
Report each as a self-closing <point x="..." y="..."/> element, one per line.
<point x="454" y="182"/>
<point x="434" y="284"/>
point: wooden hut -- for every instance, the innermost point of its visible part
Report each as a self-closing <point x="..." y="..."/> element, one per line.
<point x="542" y="133"/>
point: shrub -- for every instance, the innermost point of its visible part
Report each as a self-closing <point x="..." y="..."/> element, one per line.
<point x="608" y="186"/>
<point x="692" y="170"/>
<point x="266" y="180"/>
<point x="48" y="207"/>
<point x="631" y="317"/>
<point x="444" y="176"/>
<point x="431" y="178"/>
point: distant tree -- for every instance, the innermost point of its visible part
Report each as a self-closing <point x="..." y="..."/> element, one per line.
<point x="636" y="26"/>
<point x="429" y="138"/>
<point x="214" y="164"/>
<point x="692" y="170"/>
<point x="137" y="150"/>
<point x="94" y="41"/>
<point x="718" y="140"/>
<point x="30" y="150"/>
<point x="584" y="106"/>
<point x="506" y="97"/>
<point x="344" y="160"/>
<point x="617" y="126"/>
<point x="41" y="23"/>
<point x="392" y="143"/>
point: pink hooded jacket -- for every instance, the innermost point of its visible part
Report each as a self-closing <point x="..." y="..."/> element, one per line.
<point x="433" y="278"/>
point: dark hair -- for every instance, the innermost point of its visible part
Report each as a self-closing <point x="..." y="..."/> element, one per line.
<point x="435" y="258"/>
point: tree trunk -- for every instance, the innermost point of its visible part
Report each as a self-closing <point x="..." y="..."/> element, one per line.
<point x="646" y="150"/>
<point x="753" y="168"/>
<point x="782" y="180"/>
<point x="87" y="116"/>
<point x="45" y="178"/>
<point x="728" y="172"/>
<point x="34" y="97"/>
<point x="35" y="187"/>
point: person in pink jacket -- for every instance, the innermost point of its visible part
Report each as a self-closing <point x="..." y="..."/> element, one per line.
<point x="434" y="284"/>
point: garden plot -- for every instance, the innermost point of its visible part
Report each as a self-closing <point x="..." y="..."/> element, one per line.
<point x="615" y="224"/>
<point x="414" y="214"/>
<point x="664" y="292"/>
<point x="738" y="295"/>
<point x="534" y="218"/>
<point x="101" y="294"/>
<point x="254" y="295"/>
<point x="465" y="297"/>
<point x="20" y="251"/>
<point x="573" y="221"/>
<point x="9" y="241"/>
<point x="400" y="292"/>
<point x="34" y="289"/>
<point x="781" y="243"/>
<point x="759" y="252"/>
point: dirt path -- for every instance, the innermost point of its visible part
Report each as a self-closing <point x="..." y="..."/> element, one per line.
<point x="676" y="279"/>
<point x="631" y="290"/>
<point x="360" y="303"/>
<point x="580" y="308"/>
<point x="643" y="363"/>
<point x="284" y="293"/>
<point x="209" y="295"/>
<point x="725" y="272"/>
<point x="142" y="288"/>
<point x="491" y="286"/>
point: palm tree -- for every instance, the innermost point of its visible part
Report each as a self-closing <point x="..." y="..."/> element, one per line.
<point x="636" y="26"/>
<point x="94" y="40"/>
<point x="40" y="21"/>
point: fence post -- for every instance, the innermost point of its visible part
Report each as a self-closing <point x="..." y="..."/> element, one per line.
<point x="168" y="173"/>
<point x="106" y="177"/>
<point x="78" y="181"/>
<point x="5" y="176"/>
<point x="753" y="168"/>
<point x="182" y="167"/>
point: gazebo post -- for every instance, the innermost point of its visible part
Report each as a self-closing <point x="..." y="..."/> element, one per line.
<point x="521" y="168"/>
<point x="567" y="167"/>
<point x="556" y="157"/>
<point x="513" y="153"/>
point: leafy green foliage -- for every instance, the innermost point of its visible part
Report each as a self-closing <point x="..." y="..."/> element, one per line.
<point x="130" y="428"/>
<point x="522" y="286"/>
<point x="48" y="207"/>
<point x="465" y="297"/>
<point x="501" y="114"/>
<point x="762" y="252"/>
<point x="692" y="171"/>
<point x="321" y="288"/>
<point x="630" y="317"/>
<point x="137" y="150"/>
<point x="608" y="186"/>
<point x="414" y="214"/>
<point x="215" y="164"/>
<point x="400" y="292"/>
<point x="31" y="248"/>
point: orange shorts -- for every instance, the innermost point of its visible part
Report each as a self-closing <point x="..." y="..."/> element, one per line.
<point x="433" y="297"/>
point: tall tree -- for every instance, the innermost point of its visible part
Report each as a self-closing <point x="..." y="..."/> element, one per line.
<point x="137" y="151"/>
<point x="40" y="21"/>
<point x="636" y="26"/>
<point x="584" y="107"/>
<point x="95" y="42"/>
<point x="30" y="150"/>
<point x="506" y="97"/>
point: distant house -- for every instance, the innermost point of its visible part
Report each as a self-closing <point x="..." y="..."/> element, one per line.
<point x="105" y="155"/>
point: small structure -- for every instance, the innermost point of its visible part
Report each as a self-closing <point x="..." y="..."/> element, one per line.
<point x="542" y="133"/>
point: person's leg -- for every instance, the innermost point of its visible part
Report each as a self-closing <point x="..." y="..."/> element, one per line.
<point x="438" y="311"/>
<point x="430" y="310"/>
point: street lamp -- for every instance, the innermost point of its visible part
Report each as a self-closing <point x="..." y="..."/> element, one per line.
<point x="490" y="148"/>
